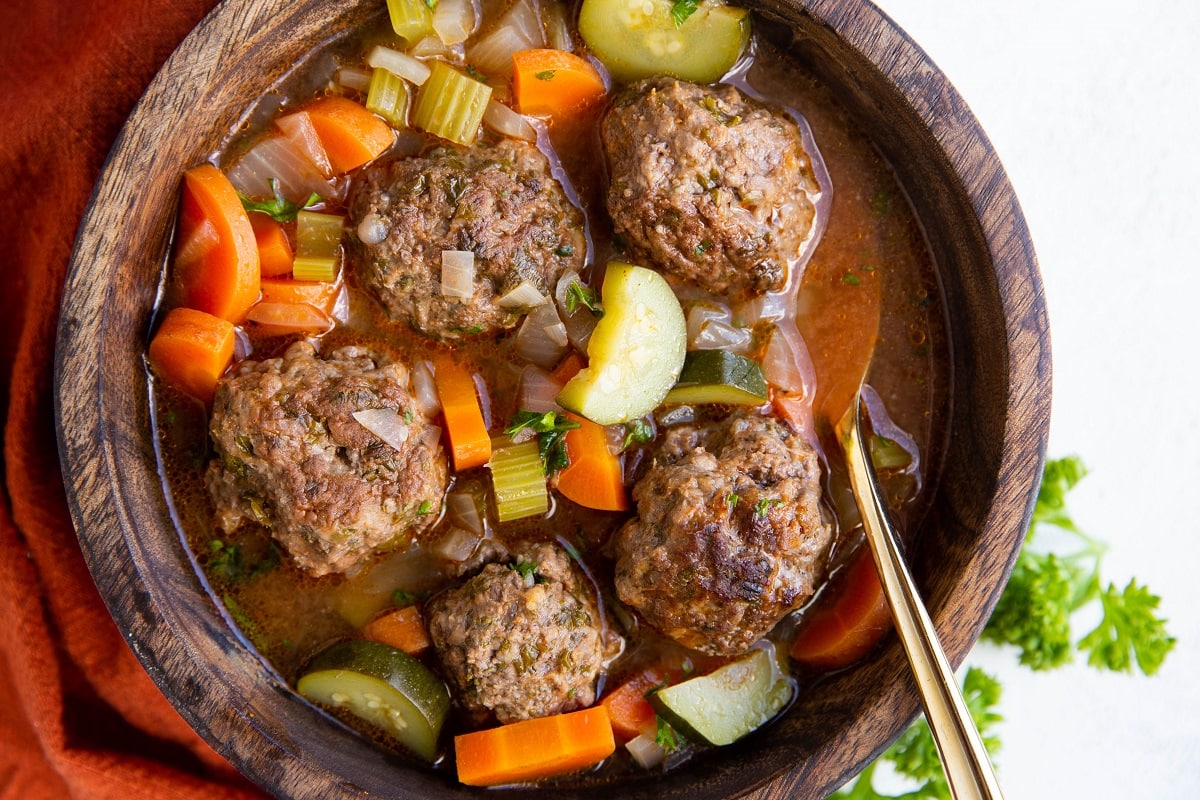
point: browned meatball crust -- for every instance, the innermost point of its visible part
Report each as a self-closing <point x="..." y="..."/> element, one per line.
<point x="290" y="456"/>
<point x="499" y="201"/>
<point x="708" y="184"/>
<point x="729" y="536"/>
<point x="524" y="639"/>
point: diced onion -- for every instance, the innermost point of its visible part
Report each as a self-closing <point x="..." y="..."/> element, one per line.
<point x="432" y="46"/>
<point x="353" y="78"/>
<point x="505" y="121"/>
<point x="786" y="363"/>
<point x="645" y="751"/>
<point x="299" y="129"/>
<point x="278" y="158"/>
<point x="458" y="274"/>
<point x="372" y="230"/>
<point x="456" y="545"/>
<point x="558" y="31"/>
<point x="524" y="295"/>
<point x="431" y="437"/>
<point x="539" y="341"/>
<point x="700" y="314"/>
<point x="579" y="323"/>
<point x="463" y="509"/>
<point x="398" y="63"/>
<point x="770" y="307"/>
<point x="425" y="390"/>
<point x="537" y="390"/>
<point x="715" y="335"/>
<point x="519" y="29"/>
<point x="386" y="423"/>
<point x="453" y="20"/>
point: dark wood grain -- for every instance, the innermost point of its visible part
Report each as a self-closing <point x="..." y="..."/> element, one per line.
<point x="1001" y="392"/>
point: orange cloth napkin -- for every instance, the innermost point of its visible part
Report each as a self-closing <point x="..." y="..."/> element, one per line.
<point x="79" y="718"/>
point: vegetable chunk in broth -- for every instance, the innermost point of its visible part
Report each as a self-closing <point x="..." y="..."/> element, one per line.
<point x="480" y="389"/>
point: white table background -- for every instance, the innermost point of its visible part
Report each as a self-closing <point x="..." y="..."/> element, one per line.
<point x="1094" y="109"/>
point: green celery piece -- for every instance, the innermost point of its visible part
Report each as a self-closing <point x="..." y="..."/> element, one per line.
<point x="388" y="97"/>
<point x="450" y="104"/>
<point x="412" y="20"/>
<point x="518" y="482"/>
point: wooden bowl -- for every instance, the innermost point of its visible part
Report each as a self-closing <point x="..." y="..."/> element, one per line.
<point x="965" y="550"/>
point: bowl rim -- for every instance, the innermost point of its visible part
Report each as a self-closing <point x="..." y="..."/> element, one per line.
<point x="92" y="444"/>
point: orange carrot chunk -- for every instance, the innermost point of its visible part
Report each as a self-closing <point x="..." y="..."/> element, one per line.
<point x="629" y="711"/>
<point x="568" y="368"/>
<point x="401" y="628"/>
<point x="191" y="350"/>
<point x="837" y="634"/>
<point x="216" y="263"/>
<point x="594" y="478"/>
<point x="535" y="748"/>
<point x="319" y="294"/>
<point x="554" y="82"/>
<point x="470" y="444"/>
<point x="274" y="250"/>
<point x="350" y="134"/>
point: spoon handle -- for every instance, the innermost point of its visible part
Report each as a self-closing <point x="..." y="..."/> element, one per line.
<point x="964" y="758"/>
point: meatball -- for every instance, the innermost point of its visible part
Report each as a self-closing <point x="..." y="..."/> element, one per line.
<point x="708" y="185"/>
<point x="522" y="640"/>
<point x="290" y="456"/>
<point x="499" y="201"/>
<point x="729" y="536"/>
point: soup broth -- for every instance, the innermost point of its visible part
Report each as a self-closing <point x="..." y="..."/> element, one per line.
<point x="870" y="233"/>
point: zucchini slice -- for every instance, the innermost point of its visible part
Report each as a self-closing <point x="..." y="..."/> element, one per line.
<point x="728" y="703"/>
<point x="384" y="687"/>
<point x="718" y="376"/>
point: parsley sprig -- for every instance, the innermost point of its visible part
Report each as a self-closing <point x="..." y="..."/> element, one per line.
<point x="278" y="208"/>
<point x="1034" y="615"/>
<point x="682" y="9"/>
<point x="551" y="429"/>
<point x="580" y="295"/>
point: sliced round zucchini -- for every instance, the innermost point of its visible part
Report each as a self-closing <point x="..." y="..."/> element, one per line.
<point x="382" y="686"/>
<point x="728" y="703"/>
<point x="636" y="351"/>
<point x="718" y="376"/>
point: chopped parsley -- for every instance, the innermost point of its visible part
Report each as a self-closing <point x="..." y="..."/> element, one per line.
<point x="637" y="431"/>
<point x="732" y="499"/>
<point x="764" y="505"/>
<point x="526" y="569"/>
<point x="850" y="279"/>
<point x="401" y="598"/>
<point x="682" y="9"/>
<point x="665" y="736"/>
<point x="580" y="295"/>
<point x="545" y="75"/>
<point x="424" y="508"/>
<point x="279" y="208"/>
<point x="551" y="430"/>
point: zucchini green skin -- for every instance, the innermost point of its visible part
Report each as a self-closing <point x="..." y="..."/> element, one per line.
<point x="718" y="376"/>
<point x="384" y="687"/>
<point x="635" y="39"/>
<point x="723" y="706"/>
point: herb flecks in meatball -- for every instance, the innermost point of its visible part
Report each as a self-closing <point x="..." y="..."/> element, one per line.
<point x="523" y="639"/>
<point x="499" y="201"/>
<point x="291" y="456"/>
<point x="708" y="185"/>
<point x="729" y="536"/>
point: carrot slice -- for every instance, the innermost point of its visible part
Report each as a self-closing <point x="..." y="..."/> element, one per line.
<point x="535" y="748"/>
<point x="594" y="478"/>
<point x="350" y="134"/>
<point x="319" y="294"/>
<point x="191" y="350"/>
<point x="629" y="711"/>
<point x="274" y="250"/>
<point x="280" y="319"/>
<point x="216" y="263"/>
<point x="554" y="82"/>
<point x="837" y="634"/>
<point x="470" y="444"/>
<point x="401" y="628"/>
<point x="568" y="368"/>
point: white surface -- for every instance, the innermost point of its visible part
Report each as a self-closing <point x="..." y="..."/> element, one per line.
<point x="1094" y="109"/>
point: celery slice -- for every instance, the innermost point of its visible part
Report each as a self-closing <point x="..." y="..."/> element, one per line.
<point x="315" y="268"/>
<point x="318" y="244"/>
<point x="411" y="19"/>
<point x="518" y="481"/>
<point x="387" y="96"/>
<point x="451" y="104"/>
